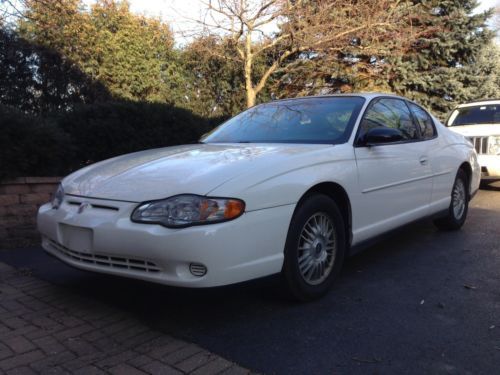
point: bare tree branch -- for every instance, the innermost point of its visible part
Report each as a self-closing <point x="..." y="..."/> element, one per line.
<point x="282" y="29"/>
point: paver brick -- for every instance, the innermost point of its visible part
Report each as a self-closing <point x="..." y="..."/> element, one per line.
<point x="51" y="361"/>
<point x="139" y="360"/>
<point x="116" y="359"/>
<point x="131" y="332"/>
<point x="24" y="370"/>
<point x="49" y="345"/>
<point x="214" y="367"/>
<point x="141" y="339"/>
<point x="181" y="354"/>
<point x="162" y="351"/>
<point x="85" y="361"/>
<point x="21" y="360"/>
<point x="79" y="346"/>
<point x="159" y="368"/>
<point x="195" y="361"/>
<point x="93" y="335"/>
<point x="45" y="329"/>
<point x="89" y="370"/>
<point x="5" y="352"/>
<point x="25" y="330"/>
<point x="19" y="344"/>
<point x="14" y="322"/>
<point x="124" y="369"/>
<point x="73" y="332"/>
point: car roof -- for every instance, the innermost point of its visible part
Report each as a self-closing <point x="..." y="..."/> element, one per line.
<point x="366" y="95"/>
<point x="476" y="103"/>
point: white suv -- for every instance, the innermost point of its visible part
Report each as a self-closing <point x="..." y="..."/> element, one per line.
<point x="480" y="123"/>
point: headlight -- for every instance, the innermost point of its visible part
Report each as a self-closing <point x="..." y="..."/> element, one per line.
<point x="186" y="210"/>
<point x="494" y="145"/>
<point x="58" y="197"/>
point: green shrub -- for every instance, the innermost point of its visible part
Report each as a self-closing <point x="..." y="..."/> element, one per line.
<point x="101" y="131"/>
<point x="65" y="141"/>
<point x="30" y="146"/>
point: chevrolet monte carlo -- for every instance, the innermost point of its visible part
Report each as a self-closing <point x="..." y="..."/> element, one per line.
<point x="291" y="186"/>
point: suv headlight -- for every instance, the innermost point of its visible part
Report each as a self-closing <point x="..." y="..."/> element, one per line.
<point x="494" y="145"/>
<point x="58" y="197"/>
<point x="187" y="209"/>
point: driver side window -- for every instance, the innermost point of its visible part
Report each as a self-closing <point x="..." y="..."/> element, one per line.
<point x="390" y="113"/>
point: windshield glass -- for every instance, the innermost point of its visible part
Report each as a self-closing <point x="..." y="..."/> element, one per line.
<point x="476" y="115"/>
<point x="308" y="120"/>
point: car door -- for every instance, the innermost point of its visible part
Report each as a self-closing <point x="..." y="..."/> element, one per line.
<point x="439" y="168"/>
<point x="394" y="179"/>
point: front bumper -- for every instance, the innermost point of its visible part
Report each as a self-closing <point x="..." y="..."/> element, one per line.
<point x="490" y="166"/>
<point x="102" y="238"/>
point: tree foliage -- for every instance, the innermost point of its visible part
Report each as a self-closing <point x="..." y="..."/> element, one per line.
<point x="304" y="26"/>
<point x="38" y="79"/>
<point x="131" y="55"/>
<point x="80" y="83"/>
<point x="446" y="65"/>
<point x="450" y="60"/>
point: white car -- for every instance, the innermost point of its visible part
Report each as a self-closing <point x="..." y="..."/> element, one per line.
<point x="290" y="186"/>
<point x="480" y="122"/>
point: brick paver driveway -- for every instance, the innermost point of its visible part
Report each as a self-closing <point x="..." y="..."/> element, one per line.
<point x="46" y="329"/>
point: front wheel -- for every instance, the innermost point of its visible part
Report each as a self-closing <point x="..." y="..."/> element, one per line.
<point x="315" y="247"/>
<point x="459" y="205"/>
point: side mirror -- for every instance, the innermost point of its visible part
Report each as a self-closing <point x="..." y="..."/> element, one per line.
<point x="380" y="136"/>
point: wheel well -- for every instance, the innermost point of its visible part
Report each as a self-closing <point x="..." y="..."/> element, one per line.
<point x="468" y="171"/>
<point x="339" y="195"/>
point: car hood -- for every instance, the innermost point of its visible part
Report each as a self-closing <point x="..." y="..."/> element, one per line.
<point x="477" y="130"/>
<point x="160" y="173"/>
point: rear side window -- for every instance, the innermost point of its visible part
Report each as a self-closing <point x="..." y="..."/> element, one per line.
<point x="390" y="113"/>
<point x="424" y="121"/>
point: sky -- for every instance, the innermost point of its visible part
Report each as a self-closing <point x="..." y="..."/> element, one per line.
<point x="192" y="8"/>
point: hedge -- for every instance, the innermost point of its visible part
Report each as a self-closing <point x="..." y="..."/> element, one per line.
<point x="63" y="142"/>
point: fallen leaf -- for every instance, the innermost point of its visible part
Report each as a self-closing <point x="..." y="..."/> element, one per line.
<point x="469" y="286"/>
<point x="422" y="302"/>
<point x="492" y="327"/>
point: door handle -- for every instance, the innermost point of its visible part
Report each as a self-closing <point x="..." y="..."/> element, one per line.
<point x="423" y="160"/>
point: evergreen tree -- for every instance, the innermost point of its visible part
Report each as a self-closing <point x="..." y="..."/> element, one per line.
<point x="37" y="79"/>
<point x="446" y="65"/>
<point x="444" y="62"/>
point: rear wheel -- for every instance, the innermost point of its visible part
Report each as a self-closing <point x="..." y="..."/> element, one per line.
<point x="459" y="205"/>
<point x="315" y="247"/>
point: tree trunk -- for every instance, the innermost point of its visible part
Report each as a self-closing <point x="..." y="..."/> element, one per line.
<point x="250" y="90"/>
<point x="251" y="96"/>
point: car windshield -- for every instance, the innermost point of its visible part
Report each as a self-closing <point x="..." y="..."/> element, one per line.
<point x="476" y="115"/>
<point x="308" y="120"/>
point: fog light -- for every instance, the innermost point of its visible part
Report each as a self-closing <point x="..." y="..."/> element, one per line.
<point x="197" y="269"/>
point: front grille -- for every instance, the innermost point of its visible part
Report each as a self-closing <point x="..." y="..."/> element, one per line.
<point x="480" y="144"/>
<point x="105" y="260"/>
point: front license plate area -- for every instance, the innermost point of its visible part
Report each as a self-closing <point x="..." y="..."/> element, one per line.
<point x="77" y="238"/>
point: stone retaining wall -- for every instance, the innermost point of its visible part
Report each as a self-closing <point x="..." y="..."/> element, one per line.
<point x="19" y="202"/>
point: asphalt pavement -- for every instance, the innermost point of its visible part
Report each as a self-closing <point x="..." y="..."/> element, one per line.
<point x="421" y="301"/>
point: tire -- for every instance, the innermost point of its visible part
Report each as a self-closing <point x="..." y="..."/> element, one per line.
<point x="459" y="205"/>
<point x="314" y="249"/>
